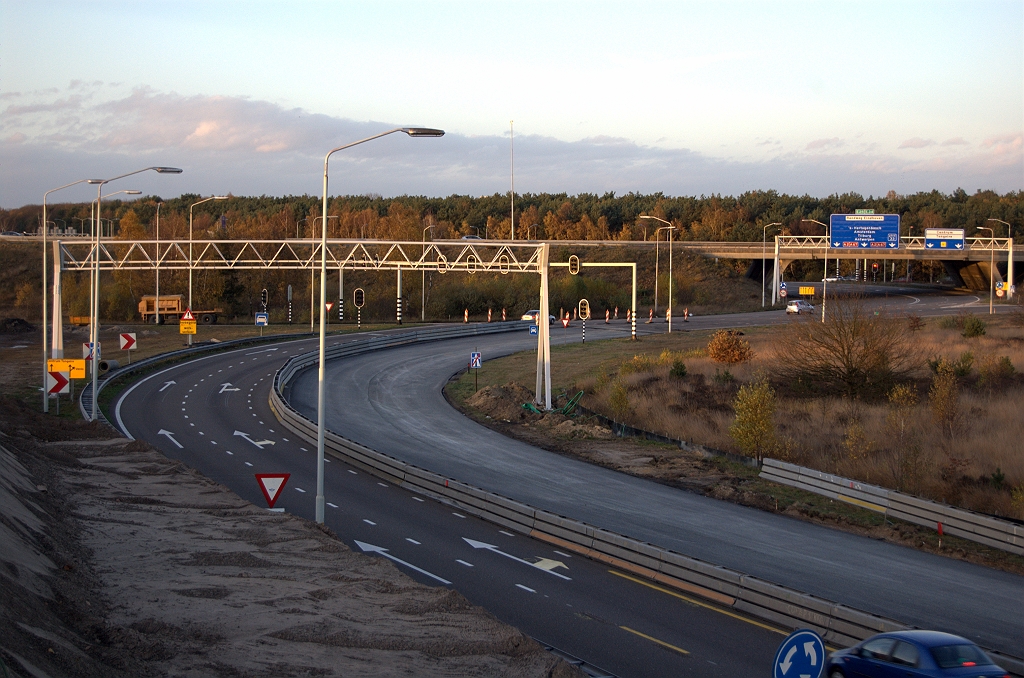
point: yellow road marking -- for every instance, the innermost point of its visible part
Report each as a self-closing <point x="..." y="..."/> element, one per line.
<point x="694" y="601"/>
<point x="655" y="640"/>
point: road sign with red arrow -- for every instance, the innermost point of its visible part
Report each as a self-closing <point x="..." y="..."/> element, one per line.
<point x="58" y="382"/>
<point x="128" y="341"/>
<point x="271" y="484"/>
<point x="188" y="315"/>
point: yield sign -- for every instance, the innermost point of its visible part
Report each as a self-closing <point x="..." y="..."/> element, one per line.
<point x="272" y="484"/>
<point x="565" y="322"/>
<point x="128" y="341"/>
<point x="57" y="382"/>
<point x="188" y="315"/>
<point x="330" y="305"/>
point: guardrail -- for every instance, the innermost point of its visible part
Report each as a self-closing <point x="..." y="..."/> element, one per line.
<point x="1000" y="534"/>
<point x="838" y="624"/>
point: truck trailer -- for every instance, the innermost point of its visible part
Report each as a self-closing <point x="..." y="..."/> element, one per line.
<point x="172" y="306"/>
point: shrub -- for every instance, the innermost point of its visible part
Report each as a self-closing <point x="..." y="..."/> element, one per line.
<point x="638" y="363"/>
<point x="994" y="371"/>
<point x="855" y="349"/>
<point x="754" y="426"/>
<point x="973" y="326"/>
<point x="678" y="370"/>
<point x="724" y="377"/>
<point x="945" y="401"/>
<point x="903" y="436"/>
<point x="961" y="367"/>
<point x="619" y="400"/>
<point x="727" y="347"/>
<point x="914" y="323"/>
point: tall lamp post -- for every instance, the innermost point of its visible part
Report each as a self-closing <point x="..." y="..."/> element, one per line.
<point x="96" y="266"/>
<point x="156" y="302"/>
<point x="991" y="266"/>
<point x="321" y="384"/>
<point x="670" y="228"/>
<point x="824" y="278"/>
<point x="46" y="396"/>
<point x="423" y="284"/>
<point x="213" y="197"/>
<point x="764" y="241"/>
<point x="1009" y="257"/>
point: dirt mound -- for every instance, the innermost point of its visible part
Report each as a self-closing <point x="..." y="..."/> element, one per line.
<point x="504" y="403"/>
<point x="15" y="326"/>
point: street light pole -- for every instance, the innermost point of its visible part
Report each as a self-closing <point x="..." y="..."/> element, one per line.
<point x="1009" y="257"/>
<point x="764" y="242"/>
<point x="214" y="197"/>
<point x="656" y="243"/>
<point x="156" y="303"/>
<point x="991" y="266"/>
<point x="824" y="278"/>
<point x="321" y="384"/>
<point x="46" y="396"/>
<point x="423" y="284"/>
<point x="95" y="320"/>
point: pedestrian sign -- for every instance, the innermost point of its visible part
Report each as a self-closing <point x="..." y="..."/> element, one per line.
<point x="475" y="360"/>
<point x="801" y="655"/>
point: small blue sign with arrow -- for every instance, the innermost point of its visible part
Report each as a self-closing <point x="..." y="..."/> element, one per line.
<point x="801" y="655"/>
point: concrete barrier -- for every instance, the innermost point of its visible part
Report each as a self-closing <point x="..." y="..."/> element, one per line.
<point x="1000" y="534"/>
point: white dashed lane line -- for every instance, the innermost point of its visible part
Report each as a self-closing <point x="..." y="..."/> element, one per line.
<point x="230" y="452"/>
<point x="507" y="534"/>
<point x="332" y="505"/>
<point x="417" y="499"/>
<point x="525" y="588"/>
<point x="299" y="489"/>
<point x="382" y="484"/>
<point x="353" y="472"/>
<point x="463" y="562"/>
<point x="458" y="515"/>
<point x="248" y="464"/>
<point x="213" y="442"/>
<point x="305" y="450"/>
<point x="369" y="522"/>
<point x="412" y="541"/>
<point x="564" y="555"/>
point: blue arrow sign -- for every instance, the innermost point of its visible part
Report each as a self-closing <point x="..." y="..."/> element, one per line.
<point x="944" y="238"/>
<point x="864" y="231"/>
<point x="801" y="655"/>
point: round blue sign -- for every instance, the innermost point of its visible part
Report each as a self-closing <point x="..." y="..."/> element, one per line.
<point x="801" y="655"/>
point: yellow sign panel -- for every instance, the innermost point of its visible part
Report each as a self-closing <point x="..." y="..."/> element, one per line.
<point x="74" y="368"/>
<point x="809" y="291"/>
<point x="186" y="327"/>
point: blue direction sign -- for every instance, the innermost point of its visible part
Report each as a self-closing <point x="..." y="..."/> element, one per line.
<point x="534" y="329"/>
<point x="864" y="231"/>
<point x="944" y="238"/>
<point x="801" y="655"/>
<point x="262" y="319"/>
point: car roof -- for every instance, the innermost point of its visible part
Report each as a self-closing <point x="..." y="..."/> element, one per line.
<point x="929" y="638"/>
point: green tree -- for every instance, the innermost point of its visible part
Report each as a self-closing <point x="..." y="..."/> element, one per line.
<point x="754" y="427"/>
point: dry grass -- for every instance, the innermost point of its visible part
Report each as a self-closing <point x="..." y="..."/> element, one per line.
<point x="977" y="469"/>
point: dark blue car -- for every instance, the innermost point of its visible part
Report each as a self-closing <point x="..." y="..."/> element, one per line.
<point x="907" y="654"/>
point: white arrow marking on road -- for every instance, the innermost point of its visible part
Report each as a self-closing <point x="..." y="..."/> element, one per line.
<point x="170" y="436"/>
<point x="384" y="552"/>
<point x="786" y="663"/>
<point x="492" y="547"/>
<point x="227" y="387"/>
<point x="810" y="652"/>
<point x="257" y="443"/>
<point x="548" y="564"/>
<point x="167" y="385"/>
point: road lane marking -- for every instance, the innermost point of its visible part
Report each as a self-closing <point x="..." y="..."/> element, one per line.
<point x="353" y="472"/>
<point x="463" y="562"/>
<point x="507" y="534"/>
<point x="543" y="565"/>
<point x="170" y="436"/>
<point x="564" y="555"/>
<point x="213" y="442"/>
<point x="299" y="489"/>
<point x="417" y="499"/>
<point x="699" y="603"/>
<point x="412" y="541"/>
<point x="305" y="450"/>
<point x="369" y="522"/>
<point x="332" y="505"/>
<point x="230" y="452"/>
<point x="382" y="484"/>
<point x="458" y="515"/>
<point x="248" y="464"/>
<point x="384" y="552"/>
<point x="654" y="640"/>
<point x="525" y="588"/>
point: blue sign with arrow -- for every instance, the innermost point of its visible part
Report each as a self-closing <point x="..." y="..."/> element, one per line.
<point x="801" y="655"/>
<point x="864" y="231"/>
<point x="944" y="238"/>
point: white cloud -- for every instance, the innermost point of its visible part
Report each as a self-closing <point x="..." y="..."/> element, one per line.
<point x="251" y="147"/>
<point x="917" y="142"/>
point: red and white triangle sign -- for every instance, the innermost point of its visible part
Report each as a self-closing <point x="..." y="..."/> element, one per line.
<point x="271" y="484"/>
<point x="565" y="322"/>
<point x="330" y="305"/>
<point x="188" y="315"/>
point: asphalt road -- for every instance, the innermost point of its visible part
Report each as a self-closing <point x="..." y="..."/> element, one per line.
<point x="392" y="403"/>
<point x="212" y="414"/>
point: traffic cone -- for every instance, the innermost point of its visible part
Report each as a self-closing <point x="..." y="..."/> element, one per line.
<point x="488" y="315"/>
<point x="465" y="316"/>
<point x="607" y="315"/>
<point x="616" y="312"/>
<point x="504" y="316"/>
<point x="650" y="318"/>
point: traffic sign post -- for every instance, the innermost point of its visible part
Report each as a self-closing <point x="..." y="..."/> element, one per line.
<point x="271" y="485"/>
<point x="262" y="320"/>
<point x="57" y="383"/>
<point x="864" y="231"/>
<point x="801" y="655"/>
<point x="475" y="361"/>
<point x="129" y="343"/>
<point x="944" y="238"/>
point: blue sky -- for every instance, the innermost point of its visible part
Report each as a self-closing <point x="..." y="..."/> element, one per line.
<point x="683" y="98"/>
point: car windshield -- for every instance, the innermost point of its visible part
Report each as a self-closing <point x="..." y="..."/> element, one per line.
<point x="950" y="656"/>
